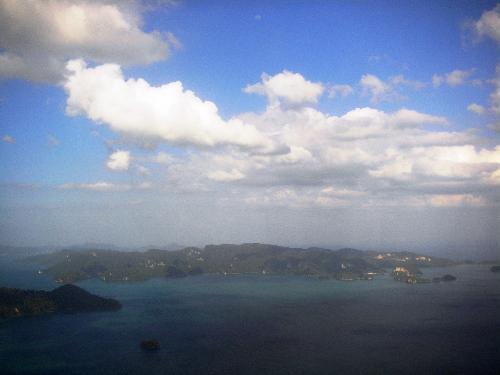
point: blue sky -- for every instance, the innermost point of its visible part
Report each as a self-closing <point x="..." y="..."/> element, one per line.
<point x="326" y="120"/>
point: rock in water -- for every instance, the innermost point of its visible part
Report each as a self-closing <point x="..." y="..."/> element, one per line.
<point x="448" y="278"/>
<point x="444" y="278"/>
<point x="150" y="345"/>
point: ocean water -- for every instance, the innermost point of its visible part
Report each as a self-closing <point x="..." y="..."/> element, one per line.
<point x="264" y="325"/>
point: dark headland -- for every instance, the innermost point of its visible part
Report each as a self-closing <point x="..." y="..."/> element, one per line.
<point x="495" y="269"/>
<point x="66" y="298"/>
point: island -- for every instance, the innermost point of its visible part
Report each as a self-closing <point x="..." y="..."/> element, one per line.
<point x="445" y="278"/>
<point x="495" y="269"/>
<point x="347" y="264"/>
<point x="67" y="298"/>
<point x="150" y="345"/>
<point x="407" y="273"/>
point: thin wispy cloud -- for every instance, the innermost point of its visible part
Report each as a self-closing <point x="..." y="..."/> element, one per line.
<point x="8" y="139"/>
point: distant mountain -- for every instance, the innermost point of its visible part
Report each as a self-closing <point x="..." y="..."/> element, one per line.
<point x="345" y="264"/>
<point x="173" y="246"/>
<point x="25" y="251"/>
<point x="94" y="246"/>
<point x="13" y="252"/>
<point x="66" y="298"/>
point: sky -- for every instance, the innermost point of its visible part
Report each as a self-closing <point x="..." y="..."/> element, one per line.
<point x="372" y="125"/>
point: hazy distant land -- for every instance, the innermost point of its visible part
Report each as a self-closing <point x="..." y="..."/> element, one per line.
<point x="69" y="266"/>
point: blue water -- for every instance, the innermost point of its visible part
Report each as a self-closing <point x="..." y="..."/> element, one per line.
<point x="264" y="325"/>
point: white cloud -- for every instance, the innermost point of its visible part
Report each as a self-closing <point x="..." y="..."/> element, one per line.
<point x="437" y="80"/>
<point x="331" y="190"/>
<point x="342" y="90"/>
<point x="297" y="154"/>
<point x="489" y="24"/>
<point x="455" y="78"/>
<point x="226" y="176"/>
<point x="455" y="200"/>
<point x="287" y="88"/>
<point x="386" y="91"/>
<point x="119" y="161"/>
<point x="143" y="171"/>
<point x="287" y="197"/>
<point x="376" y="88"/>
<point x="402" y="80"/>
<point x="37" y="37"/>
<point x="476" y="108"/>
<point x="405" y="117"/>
<point x="363" y="157"/>
<point x="97" y="186"/>
<point x="166" y="113"/>
<point x="363" y="145"/>
<point x="105" y="187"/>
<point x="173" y="41"/>
<point x="462" y="162"/>
<point x="163" y="158"/>
<point x="8" y="139"/>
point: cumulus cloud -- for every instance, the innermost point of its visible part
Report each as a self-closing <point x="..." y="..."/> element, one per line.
<point x="376" y="88"/>
<point x="226" y="176"/>
<point x="8" y="139"/>
<point x="287" y="88"/>
<point x="38" y="37"/>
<point x="119" y="161"/>
<point x="364" y="157"/>
<point x="476" y="108"/>
<point x="462" y="162"/>
<point x="166" y="113"/>
<point x="342" y="90"/>
<point x="402" y="80"/>
<point x="405" y="117"/>
<point x="489" y="24"/>
<point x="455" y="78"/>
<point x="386" y="91"/>
<point x="361" y="157"/>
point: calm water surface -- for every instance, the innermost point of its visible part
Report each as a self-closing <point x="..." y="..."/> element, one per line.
<point x="264" y="325"/>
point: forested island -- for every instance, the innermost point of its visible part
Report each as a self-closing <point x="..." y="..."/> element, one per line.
<point x="66" y="298"/>
<point x="69" y="266"/>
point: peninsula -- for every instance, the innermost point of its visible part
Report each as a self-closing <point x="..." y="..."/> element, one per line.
<point x="66" y="298"/>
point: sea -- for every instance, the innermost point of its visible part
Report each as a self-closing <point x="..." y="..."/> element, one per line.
<point x="261" y="324"/>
